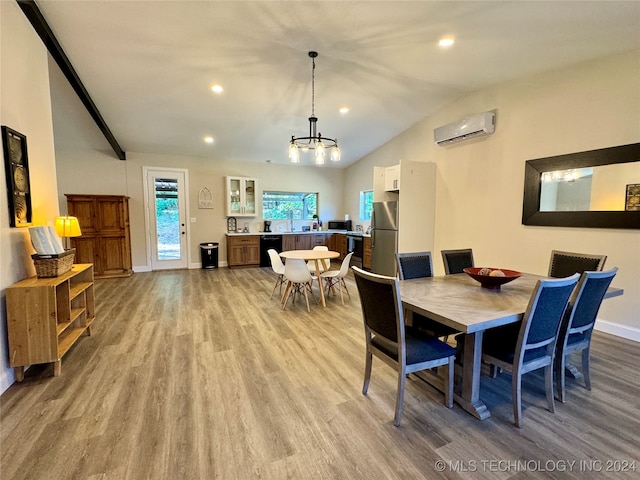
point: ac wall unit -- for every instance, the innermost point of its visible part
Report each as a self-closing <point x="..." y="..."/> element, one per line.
<point x="473" y="126"/>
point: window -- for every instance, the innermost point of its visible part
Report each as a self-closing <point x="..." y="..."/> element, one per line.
<point x="366" y="205"/>
<point x="289" y="205"/>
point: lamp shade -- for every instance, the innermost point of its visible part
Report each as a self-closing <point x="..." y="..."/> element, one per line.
<point x="68" y="227"/>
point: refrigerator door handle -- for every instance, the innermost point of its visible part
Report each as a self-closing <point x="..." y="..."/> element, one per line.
<point x="373" y="239"/>
<point x="373" y="219"/>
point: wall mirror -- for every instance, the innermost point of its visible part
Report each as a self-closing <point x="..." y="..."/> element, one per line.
<point x="597" y="188"/>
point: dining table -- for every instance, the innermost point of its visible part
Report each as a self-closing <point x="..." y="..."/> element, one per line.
<point x="461" y="302"/>
<point x="319" y="257"/>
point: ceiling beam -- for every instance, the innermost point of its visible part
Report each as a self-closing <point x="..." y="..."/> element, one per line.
<point x="32" y="12"/>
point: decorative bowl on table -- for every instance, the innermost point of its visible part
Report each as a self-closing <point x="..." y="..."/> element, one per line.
<point x="492" y="278"/>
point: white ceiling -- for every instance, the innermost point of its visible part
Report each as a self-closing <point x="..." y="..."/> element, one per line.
<point x="149" y="65"/>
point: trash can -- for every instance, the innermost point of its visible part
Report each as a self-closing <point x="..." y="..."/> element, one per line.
<point x="209" y="254"/>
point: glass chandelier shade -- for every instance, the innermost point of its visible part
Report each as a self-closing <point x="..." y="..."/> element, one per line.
<point x="315" y="141"/>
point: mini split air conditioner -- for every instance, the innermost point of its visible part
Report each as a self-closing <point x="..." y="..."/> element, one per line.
<point x="473" y="126"/>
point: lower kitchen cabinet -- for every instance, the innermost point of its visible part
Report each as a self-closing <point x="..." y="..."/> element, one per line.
<point x="366" y="253"/>
<point x="243" y="251"/>
<point x="297" y="242"/>
<point x="338" y="243"/>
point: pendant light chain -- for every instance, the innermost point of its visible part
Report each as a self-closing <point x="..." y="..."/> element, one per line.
<point x="313" y="86"/>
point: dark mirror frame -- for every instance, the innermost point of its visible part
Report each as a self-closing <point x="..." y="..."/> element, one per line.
<point x="531" y="214"/>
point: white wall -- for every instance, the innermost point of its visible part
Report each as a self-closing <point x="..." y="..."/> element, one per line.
<point x="479" y="186"/>
<point x="25" y="106"/>
<point x="95" y="172"/>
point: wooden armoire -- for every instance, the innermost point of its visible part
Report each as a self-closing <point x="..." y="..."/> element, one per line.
<point x="105" y="240"/>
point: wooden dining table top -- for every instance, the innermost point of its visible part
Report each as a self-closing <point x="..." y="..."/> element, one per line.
<point x="460" y="302"/>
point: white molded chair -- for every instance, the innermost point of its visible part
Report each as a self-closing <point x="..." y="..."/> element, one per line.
<point x="336" y="277"/>
<point x="311" y="264"/>
<point x="298" y="281"/>
<point x="278" y="267"/>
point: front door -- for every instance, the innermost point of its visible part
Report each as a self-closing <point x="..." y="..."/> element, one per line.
<point x="166" y="218"/>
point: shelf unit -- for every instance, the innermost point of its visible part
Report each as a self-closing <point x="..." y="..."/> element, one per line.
<point x="46" y="316"/>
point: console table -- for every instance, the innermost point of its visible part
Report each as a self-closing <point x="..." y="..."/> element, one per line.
<point x="46" y="316"/>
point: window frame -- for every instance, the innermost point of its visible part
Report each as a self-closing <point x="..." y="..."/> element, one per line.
<point x="363" y="214"/>
<point x="306" y="205"/>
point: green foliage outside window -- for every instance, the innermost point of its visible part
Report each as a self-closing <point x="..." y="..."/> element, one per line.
<point x="366" y="205"/>
<point x="289" y="205"/>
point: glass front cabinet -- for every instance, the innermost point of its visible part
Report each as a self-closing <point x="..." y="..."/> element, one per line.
<point x="241" y="196"/>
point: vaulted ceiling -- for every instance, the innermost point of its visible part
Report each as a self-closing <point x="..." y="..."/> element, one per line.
<point x="149" y="66"/>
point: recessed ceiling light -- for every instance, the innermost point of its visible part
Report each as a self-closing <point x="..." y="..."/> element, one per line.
<point x="217" y="88"/>
<point x="208" y="139"/>
<point x="344" y="110"/>
<point x="446" y="41"/>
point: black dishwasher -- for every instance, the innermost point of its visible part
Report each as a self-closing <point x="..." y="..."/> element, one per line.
<point x="268" y="242"/>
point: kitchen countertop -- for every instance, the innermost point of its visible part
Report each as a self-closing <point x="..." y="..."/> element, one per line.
<point x="328" y="232"/>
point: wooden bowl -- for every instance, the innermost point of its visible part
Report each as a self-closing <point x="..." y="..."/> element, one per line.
<point x="488" y="281"/>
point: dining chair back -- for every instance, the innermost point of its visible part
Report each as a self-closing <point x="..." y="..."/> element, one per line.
<point x="278" y="268"/>
<point x="455" y="261"/>
<point x="336" y="277"/>
<point x="563" y="264"/>
<point x="311" y="264"/>
<point x="535" y="339"/>
<point x="420" y="265"/>
<point x="577" y="325"/>
<point x="414" y="265"/>
<point x="298" y="281"/>
<point x="403" y="348"/>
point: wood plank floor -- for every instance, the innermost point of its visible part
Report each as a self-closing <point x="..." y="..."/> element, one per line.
<point x="199" y="375"/>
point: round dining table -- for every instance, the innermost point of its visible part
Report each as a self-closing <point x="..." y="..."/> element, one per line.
<point x="319" y="257"/>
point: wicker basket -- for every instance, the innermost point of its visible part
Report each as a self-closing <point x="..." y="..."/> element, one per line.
<point x="48" y="266"/>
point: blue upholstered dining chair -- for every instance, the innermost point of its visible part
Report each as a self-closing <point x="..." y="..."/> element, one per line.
<point x="420" y="265"/>
<point x="577" y="325"/>
<point x="563" y="264"/>
<point x="403" y="348"/>
<point x="455" y="261"/>
<point x="530" y="345"/>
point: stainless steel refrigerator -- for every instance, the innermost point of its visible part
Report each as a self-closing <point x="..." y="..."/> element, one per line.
<point x="384" y="238"/>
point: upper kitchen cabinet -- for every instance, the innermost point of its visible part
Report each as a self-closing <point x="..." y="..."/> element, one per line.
<point x="241" y="196"/>
<point x="416" y="203"/>
<point x="392" y="178"/>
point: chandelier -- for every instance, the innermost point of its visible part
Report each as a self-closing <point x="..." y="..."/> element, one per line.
<point x="314" y="141"/>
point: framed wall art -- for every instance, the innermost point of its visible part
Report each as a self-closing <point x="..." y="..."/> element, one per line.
<point x="633" y="197"/>
<point x="16" y="166"/>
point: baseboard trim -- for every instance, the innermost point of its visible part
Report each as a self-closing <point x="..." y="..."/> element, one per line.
<point x="624" y="331"/>
<point x="141" y="269"/>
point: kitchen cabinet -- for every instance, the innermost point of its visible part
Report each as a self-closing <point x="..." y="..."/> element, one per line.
<point x="241" y="196"/>
<point x="392" y="178"/>
<point x="366" y="253"/>
<point x="338" y="243"/>
<point x="46" y="316"/>
<point x="297" y="242"/>
<point x="243" y="251"/>
<point x="416" y="203"/>
<point x="106" y="239"/>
